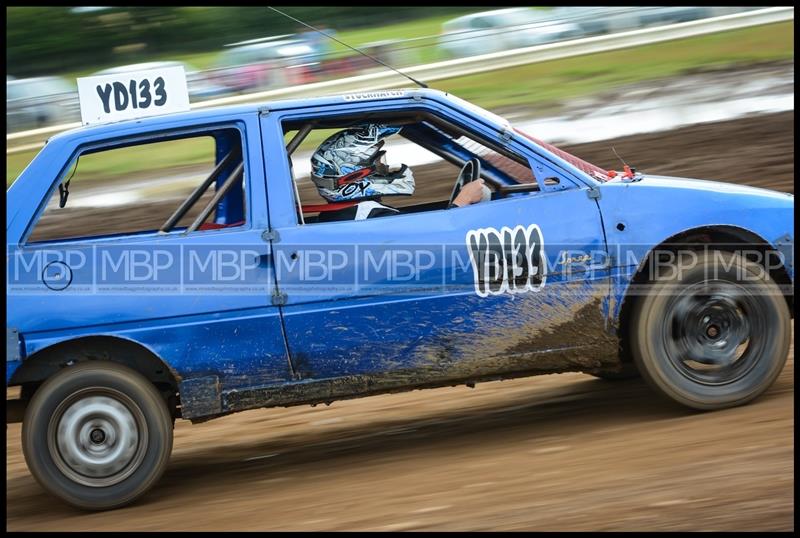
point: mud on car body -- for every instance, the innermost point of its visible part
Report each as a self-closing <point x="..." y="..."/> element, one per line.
<point x="241" y="299"/>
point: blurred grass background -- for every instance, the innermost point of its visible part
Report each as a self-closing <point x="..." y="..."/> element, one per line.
<point x="548" y="83"/>
<point x="428" y="26"/>
<point x="70" y="41"/>
<point x="540" y="87"/>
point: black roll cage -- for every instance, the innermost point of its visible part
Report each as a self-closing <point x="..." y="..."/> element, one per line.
<point x="201" y="189"/>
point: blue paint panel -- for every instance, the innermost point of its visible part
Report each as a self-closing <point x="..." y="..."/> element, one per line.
<point x="448" y="333"/>
<point x="242" y="347"/>
<point x="657" y="208"/>
<point x="11" y="367"/>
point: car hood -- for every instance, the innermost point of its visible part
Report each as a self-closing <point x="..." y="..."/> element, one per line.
<point x="704" y="185"/>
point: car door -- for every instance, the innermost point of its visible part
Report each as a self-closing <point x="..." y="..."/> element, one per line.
<point x="200" y="300"/>
<point x="405" y="299"/>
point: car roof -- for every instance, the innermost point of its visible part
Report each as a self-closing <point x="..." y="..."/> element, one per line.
<point x="173" y="120"/>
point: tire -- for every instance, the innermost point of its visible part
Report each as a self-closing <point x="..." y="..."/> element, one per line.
<point x="715" y="335"/>
<point x="97" y="435"/>
<point x="627" y="371"/>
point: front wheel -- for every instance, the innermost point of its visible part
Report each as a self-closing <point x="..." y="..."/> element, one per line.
<point x="97" y="435"/>
<point x="712" y="334"/>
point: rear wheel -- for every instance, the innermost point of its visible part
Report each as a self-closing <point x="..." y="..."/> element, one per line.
<point x="714" y="335"/>
<point x="98" y="435"/>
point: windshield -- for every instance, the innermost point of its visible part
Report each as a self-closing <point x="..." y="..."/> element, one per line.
<point x="500" y="122"/>
<point x="593" y="170"/>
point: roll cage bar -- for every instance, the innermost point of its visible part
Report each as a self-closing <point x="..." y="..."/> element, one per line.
<point x="201" y="189"/>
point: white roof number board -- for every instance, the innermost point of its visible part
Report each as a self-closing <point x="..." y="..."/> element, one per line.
<point x="124" y="96"/>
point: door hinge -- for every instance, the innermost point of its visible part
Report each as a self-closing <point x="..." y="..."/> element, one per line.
<point x="506" y="135"/>
<point x="263" y="111"/>
<point x="279" y="298"/>
<point x="270" y="235"/>
<point x="593" y="193"/>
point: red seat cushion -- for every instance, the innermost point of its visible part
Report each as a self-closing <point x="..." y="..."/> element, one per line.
<point x="330" y="206"/>
<point x="215" y="226"/>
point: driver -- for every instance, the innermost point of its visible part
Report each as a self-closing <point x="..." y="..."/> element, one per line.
<point x="351" y="166"/>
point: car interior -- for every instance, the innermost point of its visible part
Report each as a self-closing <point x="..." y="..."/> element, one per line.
<point x="227" y="202"/>
<point x="505" y="173"/>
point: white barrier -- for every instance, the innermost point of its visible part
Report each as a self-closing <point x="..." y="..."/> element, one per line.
<point x="471" y="65"/>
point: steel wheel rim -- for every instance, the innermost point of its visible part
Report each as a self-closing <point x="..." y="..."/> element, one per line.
<point x="713" y="332"/>
<point x="97" y="437"/>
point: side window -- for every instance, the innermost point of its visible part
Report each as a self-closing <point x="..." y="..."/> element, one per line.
<point x="434" y="150"/>
<point x="139" y="188"/>
<point x="514" y="169"/>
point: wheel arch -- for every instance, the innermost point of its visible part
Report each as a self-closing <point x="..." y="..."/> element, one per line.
<point x="702" y="235"/>
<point x="45" y="362"/>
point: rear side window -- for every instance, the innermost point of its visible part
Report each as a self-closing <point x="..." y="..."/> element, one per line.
<point x="137" y="188"/>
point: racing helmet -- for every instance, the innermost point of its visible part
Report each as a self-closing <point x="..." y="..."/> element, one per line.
<point x="350" y="165"/>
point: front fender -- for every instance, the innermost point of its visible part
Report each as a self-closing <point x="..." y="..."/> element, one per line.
<point x="641" y="215"/>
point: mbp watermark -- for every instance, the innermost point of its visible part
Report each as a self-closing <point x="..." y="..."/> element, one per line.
<point x="489" y="262"/>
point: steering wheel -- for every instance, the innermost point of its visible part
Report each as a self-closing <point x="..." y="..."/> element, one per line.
<point x="469" y="172"/>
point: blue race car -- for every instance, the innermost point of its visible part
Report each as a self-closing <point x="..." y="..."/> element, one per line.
<point x="246" y="296"/>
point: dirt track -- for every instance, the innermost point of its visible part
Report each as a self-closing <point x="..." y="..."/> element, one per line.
<point x="560" y="452"/>
<point x="756" y="150"/>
